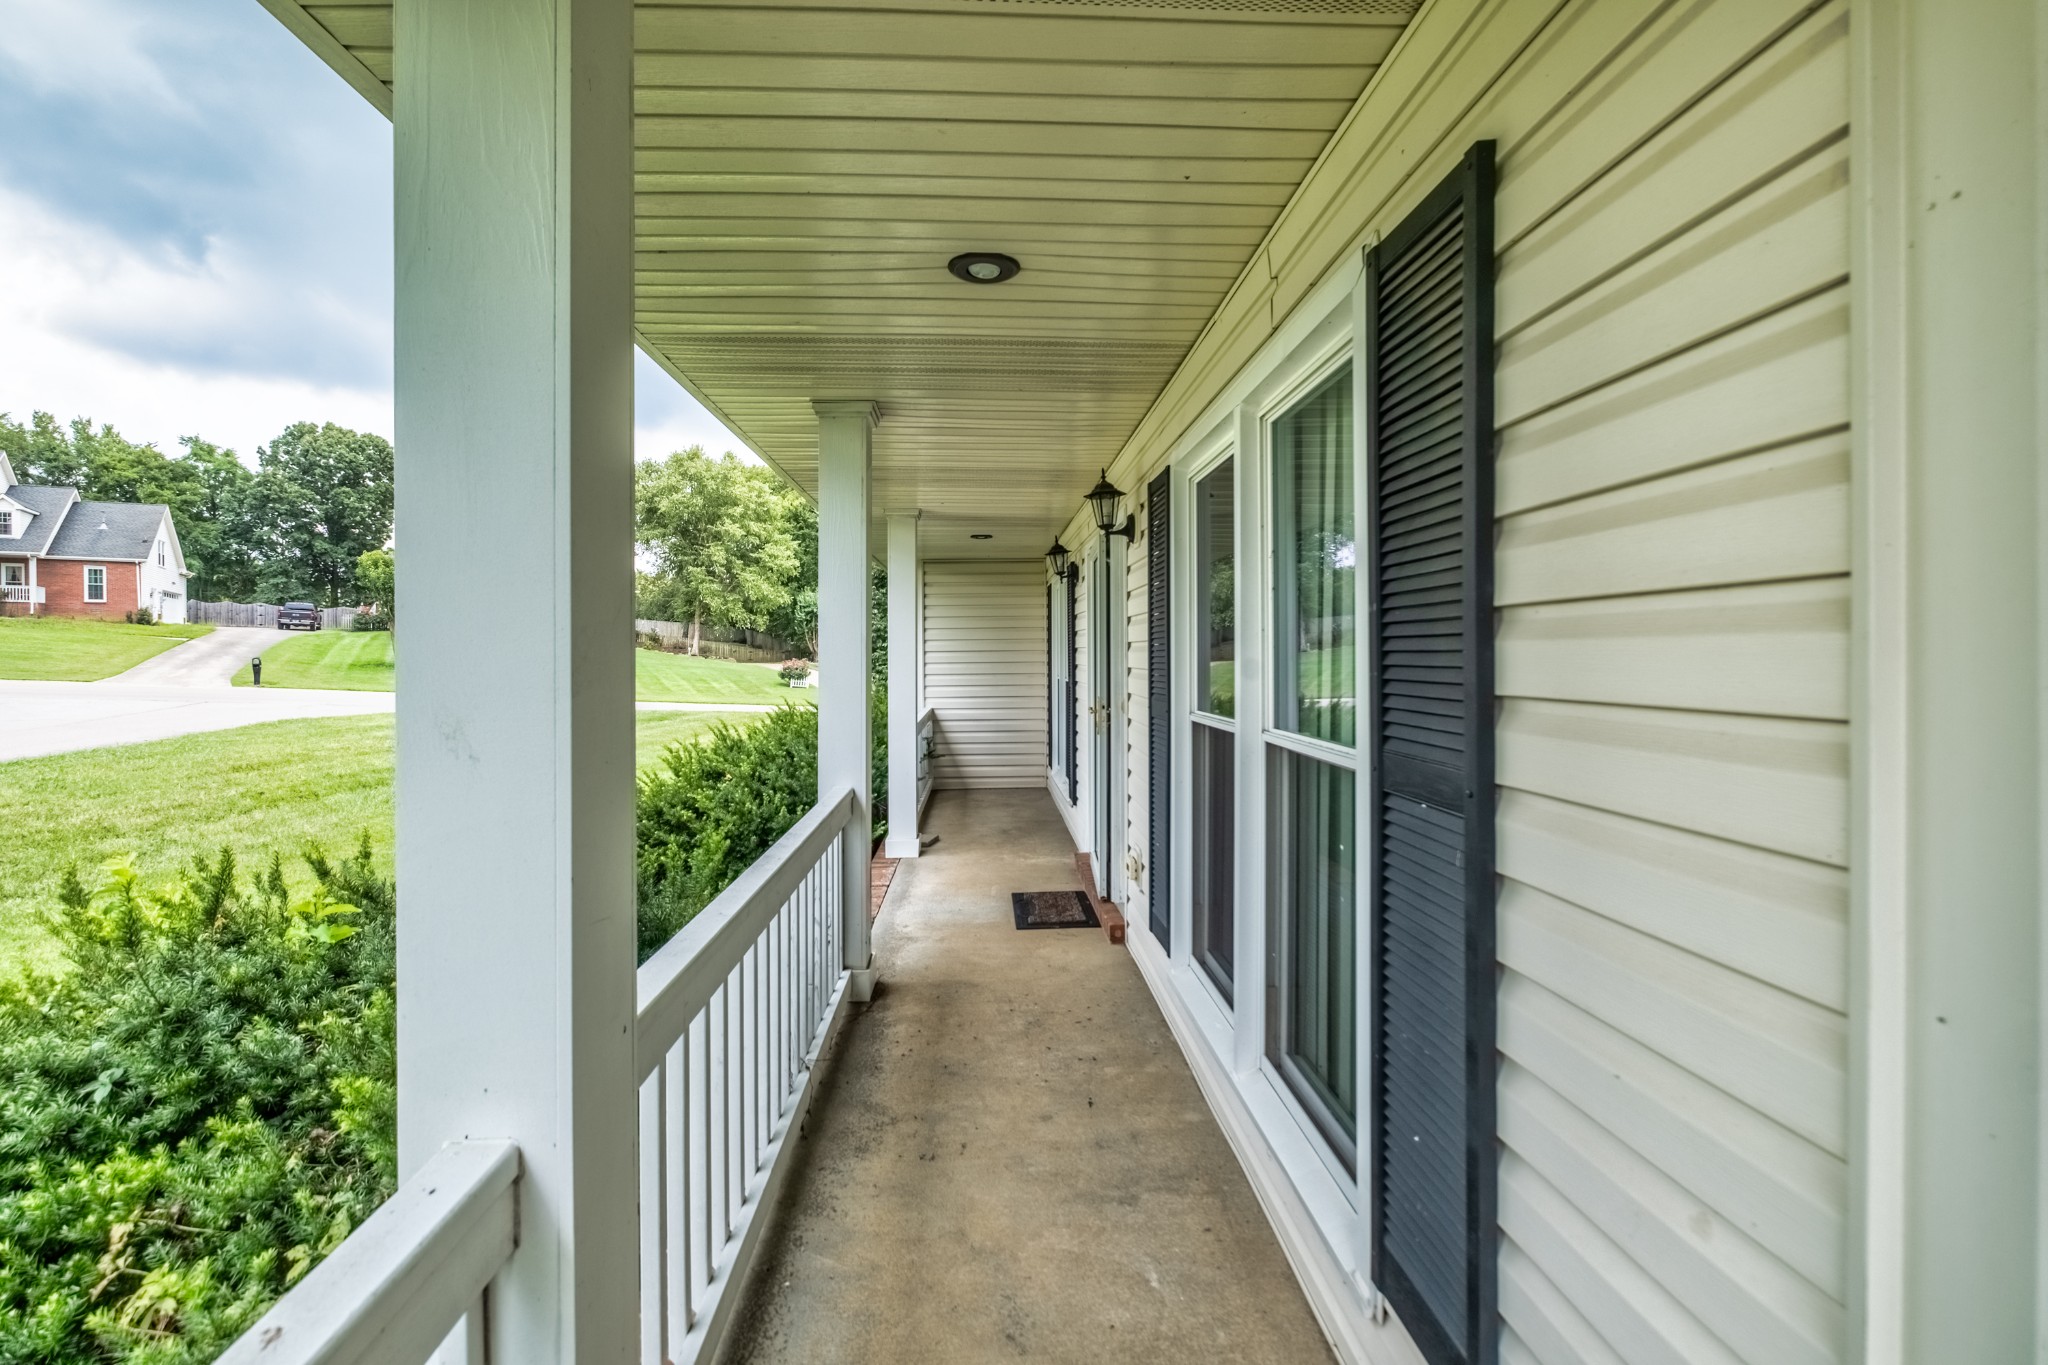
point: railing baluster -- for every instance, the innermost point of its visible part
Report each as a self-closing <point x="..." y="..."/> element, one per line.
<point x="735" y="1113"/>
<point x="723" y="1227"/>
<point x="676" y="1165"/>
<point x="652" y="1206"/>
<point x="703" y="1197"/>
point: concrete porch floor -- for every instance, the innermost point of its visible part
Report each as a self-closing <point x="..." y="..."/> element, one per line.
<point x="1008" y="1158"/>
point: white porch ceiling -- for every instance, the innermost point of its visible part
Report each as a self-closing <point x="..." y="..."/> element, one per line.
<point x="805" y="170"/>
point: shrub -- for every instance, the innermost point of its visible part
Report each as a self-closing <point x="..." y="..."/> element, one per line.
<point x="794" y="670"/>
<point x="196" y="1112"/>
<point x="714" y="806"/>
<point x="369" y="620"/>
<point x="141" y="616"/>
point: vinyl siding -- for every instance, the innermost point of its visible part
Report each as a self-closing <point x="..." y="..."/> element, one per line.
<point x="1673" y="655"/>
<point x="1673" y="547"/>
<point x="984" y="672"/>
<point x="1133" y="700"/>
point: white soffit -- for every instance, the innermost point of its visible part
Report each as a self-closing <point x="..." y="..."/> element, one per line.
<point x="804" y="171"/>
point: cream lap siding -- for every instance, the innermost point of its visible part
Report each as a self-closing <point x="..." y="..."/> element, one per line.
<point x="1672" y="500"/>
<point x="984" y="672"/>
<point x="1673" y="678"/>
<point x="1133" y="700"/>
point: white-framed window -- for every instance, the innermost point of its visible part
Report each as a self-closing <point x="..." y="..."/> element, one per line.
<point x="95" y="583"/>
<point x="13" y="575"/>
<point x="160" y="552"/>
<point x="1212" y="726"/>
<point x="6" y="521"/>
<point x="1311" y="757"/>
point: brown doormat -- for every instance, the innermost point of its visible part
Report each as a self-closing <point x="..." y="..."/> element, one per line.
<point x="1053" y="910"/>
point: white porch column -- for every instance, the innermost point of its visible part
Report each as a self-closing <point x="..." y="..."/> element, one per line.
<point x="845" y="747"/>
<point x="513" y="143"/>
<point x="33" y="560"/>
<point x="1948" y="1142"/>
<point x="906" y="699"/>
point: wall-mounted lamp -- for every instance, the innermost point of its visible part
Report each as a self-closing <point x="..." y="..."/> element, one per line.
<point x="1059" y="558"/>
<point x="1106" y="501"/>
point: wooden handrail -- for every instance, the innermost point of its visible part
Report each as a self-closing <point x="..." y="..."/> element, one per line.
<point x="393" y="1291"/>
<point x="679" y="980"/>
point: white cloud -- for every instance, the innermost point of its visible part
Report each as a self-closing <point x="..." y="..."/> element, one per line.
<point x="666" y="418"/>
<point x="65" y="286"/>
<point x="49" y="43"/>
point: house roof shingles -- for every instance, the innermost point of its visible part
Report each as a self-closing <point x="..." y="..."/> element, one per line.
<point x="48" y="505"/>
<point x="108" y="530"/>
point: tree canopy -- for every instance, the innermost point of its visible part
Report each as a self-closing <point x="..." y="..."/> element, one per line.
<point x="723" y="540"/>
<point x="293" y="527"/>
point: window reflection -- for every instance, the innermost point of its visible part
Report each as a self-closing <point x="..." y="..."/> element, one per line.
<point x="1315" y="569"/>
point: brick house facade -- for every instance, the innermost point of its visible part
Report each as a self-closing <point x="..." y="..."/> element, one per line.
<point x="52" y="542"/>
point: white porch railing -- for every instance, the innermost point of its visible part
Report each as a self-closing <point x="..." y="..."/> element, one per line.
<point x="402" y="1283"/>
<point x="16" y="592"/>
<point x="733" y="1012"/>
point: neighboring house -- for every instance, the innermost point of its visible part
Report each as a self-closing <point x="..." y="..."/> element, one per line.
<point x="63" y="556"/>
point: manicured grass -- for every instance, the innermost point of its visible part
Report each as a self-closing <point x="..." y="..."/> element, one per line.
<point x="71" y="649"/>
<point x="361" y="661"/>
<point x="344" y="660"/>
<point x="260" y="789"/>
<point x="678" y="677"/>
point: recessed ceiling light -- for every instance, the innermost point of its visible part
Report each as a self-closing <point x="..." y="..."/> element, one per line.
<point x="980" y="535"/>
<point x="983" y="267"/>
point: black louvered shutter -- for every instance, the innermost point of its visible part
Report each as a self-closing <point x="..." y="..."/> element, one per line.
<point x="1428" y="353"/>
<point x="1158" y="705"/>
<point x="1073" y="688"/>
<point x="1052" y="691"/>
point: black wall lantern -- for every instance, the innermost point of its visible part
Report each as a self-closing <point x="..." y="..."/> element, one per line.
<point x="1106" y="500"/>
<point x="1059" y="558"/>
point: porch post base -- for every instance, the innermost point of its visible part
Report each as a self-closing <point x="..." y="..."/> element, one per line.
<point x="860" y="982"/>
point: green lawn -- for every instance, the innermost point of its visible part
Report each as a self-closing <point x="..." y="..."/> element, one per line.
<point x="678" y="677"/>
<point x="69" y="649"/>
<point x="344" y="660"/>
<point x="259" y="789"/>
<point x="360" y="661"/>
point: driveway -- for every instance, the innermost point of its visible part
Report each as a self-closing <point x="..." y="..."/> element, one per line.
<point x="209" y="661"/>
<point x="56" y="717"/>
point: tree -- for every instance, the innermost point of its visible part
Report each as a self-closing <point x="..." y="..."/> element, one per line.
<point x="798" y="618"/>
<point x="321" y="499"/>
<point x="377" y="581"/>
<point x="718" y="535"/>
<point x="202" y="487"/>
<point x="211" y="523"/>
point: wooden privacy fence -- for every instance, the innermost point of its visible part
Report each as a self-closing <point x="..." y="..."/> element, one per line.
<point x="262" y="614"/>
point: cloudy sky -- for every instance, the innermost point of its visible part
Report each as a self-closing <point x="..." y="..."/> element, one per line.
<point x="195" y="231"/>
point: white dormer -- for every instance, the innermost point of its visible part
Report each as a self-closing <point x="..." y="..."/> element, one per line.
<point x="6" y="472"/>
<point x="14" y="517"/>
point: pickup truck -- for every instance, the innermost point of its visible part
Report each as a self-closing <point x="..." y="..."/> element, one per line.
<point x="298" y="616"/>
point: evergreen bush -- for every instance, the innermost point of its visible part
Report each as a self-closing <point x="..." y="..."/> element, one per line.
<point x="196" y="1111"/>
<point x="714" y="806"/>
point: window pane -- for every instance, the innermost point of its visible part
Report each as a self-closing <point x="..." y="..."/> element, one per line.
<point x="1315" y="567"/>
<point x="1216" y="592"/>
<point x="1215" y="855"/>
<point x="1313" y="841"/>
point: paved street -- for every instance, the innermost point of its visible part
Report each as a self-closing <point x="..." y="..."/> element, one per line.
<point x="55" y="717"/>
